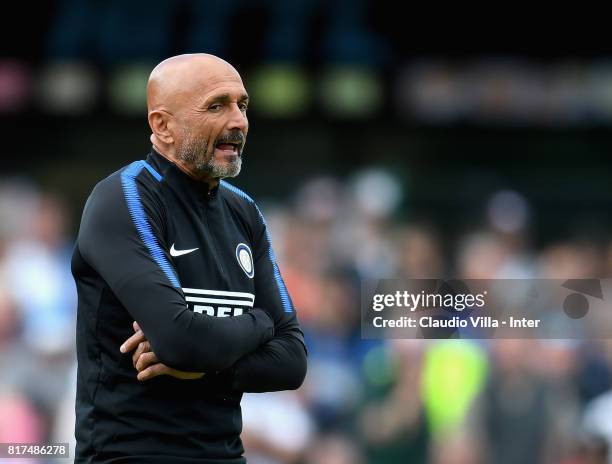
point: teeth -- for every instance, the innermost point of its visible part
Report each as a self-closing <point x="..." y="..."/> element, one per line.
<point x="233" y="145"/>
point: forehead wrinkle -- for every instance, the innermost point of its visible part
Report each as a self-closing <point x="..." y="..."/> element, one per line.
<point x="226" y="97"/>
<point x="223" y="93"/>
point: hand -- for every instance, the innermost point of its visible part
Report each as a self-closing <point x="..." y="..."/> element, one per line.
<point x="145" y="361"/>
<point x="132" y="343"/>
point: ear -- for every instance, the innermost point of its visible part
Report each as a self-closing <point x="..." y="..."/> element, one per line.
<point x="158" y="121"/>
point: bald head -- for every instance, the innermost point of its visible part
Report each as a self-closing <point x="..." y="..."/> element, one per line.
<point x="197" y="113"/>
<point x="179" y="78"/>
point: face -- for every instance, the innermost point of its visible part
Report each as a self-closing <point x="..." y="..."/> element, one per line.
<point x="211" y="133"/>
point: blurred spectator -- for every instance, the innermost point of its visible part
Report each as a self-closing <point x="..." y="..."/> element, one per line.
<point x="569" y="260"/>
<point x="19" y="421"/>
<point x="334" y="352"/>
<point x="334" y="449"/>
<point x="487" y="255"/>
<point x="526" y="413"/>
<point x="392" y="420"/>
<point x="38" y="267"/>
<point x="420" y="253"/>
<point x="276" y="427"/>
<point x="37" y="306"/>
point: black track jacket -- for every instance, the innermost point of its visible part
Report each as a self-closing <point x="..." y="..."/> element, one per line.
<point x="197" y="271"/>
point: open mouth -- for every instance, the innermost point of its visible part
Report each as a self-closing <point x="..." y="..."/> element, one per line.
<point x="228" y="147"/>
<point x="230" y="143"/>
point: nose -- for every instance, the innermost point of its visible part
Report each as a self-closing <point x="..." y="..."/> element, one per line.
<point x="237" y="119"/>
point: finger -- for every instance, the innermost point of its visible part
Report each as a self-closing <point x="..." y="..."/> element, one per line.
<point x="152" y="371"/>
<point x="143" y="347"/>
<point x="131" y="343"/>
<point x="145" y="360"/>
<point x="136" y="326"/>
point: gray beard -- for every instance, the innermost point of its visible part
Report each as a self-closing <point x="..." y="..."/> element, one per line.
<point x="193" y="153"/>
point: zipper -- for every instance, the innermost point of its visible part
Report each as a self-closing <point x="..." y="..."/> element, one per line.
<point x="215" y="247"/>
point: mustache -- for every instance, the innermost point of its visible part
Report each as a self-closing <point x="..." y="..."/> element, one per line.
<point x="236" y="137"/>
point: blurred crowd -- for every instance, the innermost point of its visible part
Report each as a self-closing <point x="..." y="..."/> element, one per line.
<point x="363" y="401"/>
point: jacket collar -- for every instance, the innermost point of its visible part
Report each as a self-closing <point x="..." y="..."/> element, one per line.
<point x="177" y="178"/>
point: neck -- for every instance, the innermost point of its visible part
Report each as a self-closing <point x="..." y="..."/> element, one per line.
<point x="189" y="170"/>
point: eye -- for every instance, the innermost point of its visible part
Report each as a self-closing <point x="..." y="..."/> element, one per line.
<point x="243" y="106"/>
<point x="215" y="107"/>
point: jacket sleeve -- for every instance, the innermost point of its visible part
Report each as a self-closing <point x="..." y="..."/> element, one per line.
<point x="279" y="364"/>
<point x="121" y="237"/>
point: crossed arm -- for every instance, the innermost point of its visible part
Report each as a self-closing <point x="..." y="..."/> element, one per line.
<point x="279" y="364"/>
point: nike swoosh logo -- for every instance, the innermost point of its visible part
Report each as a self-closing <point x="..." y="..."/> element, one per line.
<point x="174" y="252"/>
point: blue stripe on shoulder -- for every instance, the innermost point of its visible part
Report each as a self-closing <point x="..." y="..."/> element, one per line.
<point x="155" y="174"/>
<point x="134" y="204"/>
<point x="282" y="290"/>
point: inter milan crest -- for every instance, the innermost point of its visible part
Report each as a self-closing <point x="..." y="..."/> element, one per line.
<point x="245" y="259"/>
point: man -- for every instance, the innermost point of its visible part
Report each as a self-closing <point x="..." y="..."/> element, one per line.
<point x="169" y="250"/>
